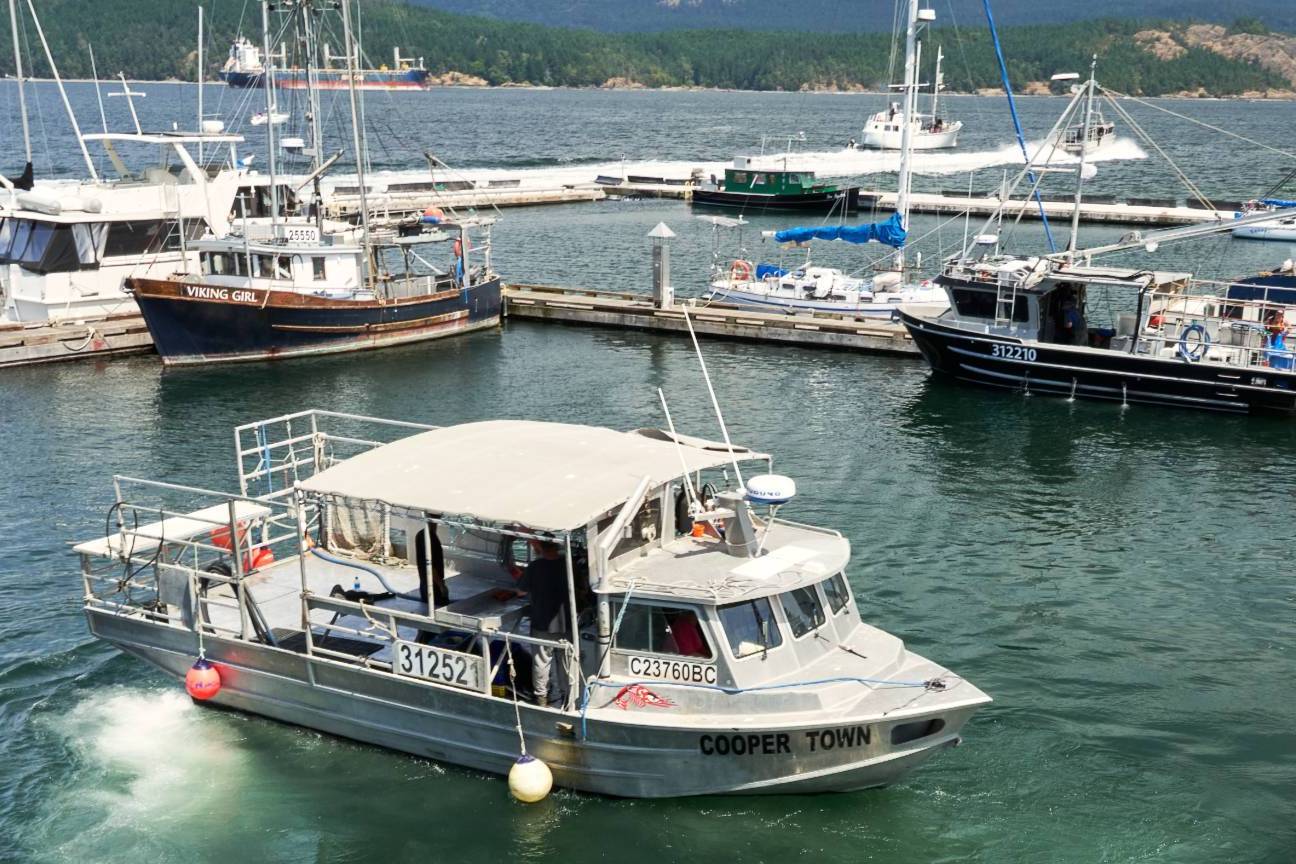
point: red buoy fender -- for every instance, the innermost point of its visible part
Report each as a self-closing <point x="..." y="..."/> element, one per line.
<point x="202" y="681"/>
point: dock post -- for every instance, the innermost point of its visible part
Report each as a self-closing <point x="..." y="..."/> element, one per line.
<point x="663" y="293"/>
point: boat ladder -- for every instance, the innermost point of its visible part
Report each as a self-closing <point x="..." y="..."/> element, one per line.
<point x="1005" y="299"/>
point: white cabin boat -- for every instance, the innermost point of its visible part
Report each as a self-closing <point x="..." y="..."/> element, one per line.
<point x="368" y="590"/>
<point x="885" y="129"/>
<point x="1281" y="228"/>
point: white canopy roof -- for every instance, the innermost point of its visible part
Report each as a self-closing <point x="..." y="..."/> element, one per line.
<point x="545" y="476"/>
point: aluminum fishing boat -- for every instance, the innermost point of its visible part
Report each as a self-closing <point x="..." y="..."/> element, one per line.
<point x="362" y="583"/>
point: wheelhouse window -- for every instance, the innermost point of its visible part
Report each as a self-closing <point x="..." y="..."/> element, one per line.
<point x="661" y="630"/>
<point x="265" y="266"/>
<point x="49" y="247"/>
<point x="837" y="592"/>
<point x="803" y="610"/>
<point x="317" y="269"/>
<point x="219" y="263"/>
<point x="750" y="627"/>
<point x="141" y="237"/>
<point x="976" y="303"/>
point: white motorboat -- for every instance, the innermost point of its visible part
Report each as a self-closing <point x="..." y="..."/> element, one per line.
<point x="718" y="647"/>
<point x="885" y="129"/>
<point x="1282" y="228"/>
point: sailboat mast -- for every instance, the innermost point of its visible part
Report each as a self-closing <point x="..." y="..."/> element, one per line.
<point x="357" y="133"/>
<point x="18" y="74"/>
<point x="267" y="81"/>
<point x="200" y="84"/>
<point x="312" y="87"/>
<point x="906" y="133"/>
<point x="1084" y="143"/>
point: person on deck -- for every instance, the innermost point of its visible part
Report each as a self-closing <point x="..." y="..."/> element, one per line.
<point x="545" y="581"/>
<point x="440" y="593"/>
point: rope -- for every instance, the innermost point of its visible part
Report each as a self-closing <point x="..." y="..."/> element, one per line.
<point x="517" y="710"/>
<point x="1113" y="95"/>
<point x="1188" y="184"/>
<point x="933" y="684"/>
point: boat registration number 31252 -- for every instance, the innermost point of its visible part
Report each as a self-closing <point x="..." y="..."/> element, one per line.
<point x="438" y="664"/>
<point x="1012" y="352"/>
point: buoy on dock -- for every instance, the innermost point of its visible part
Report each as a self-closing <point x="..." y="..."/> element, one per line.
<point x="202" y="682"/>
<point x="529" y="779"/>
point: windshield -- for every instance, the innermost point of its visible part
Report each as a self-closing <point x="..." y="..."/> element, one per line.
<point x="49" y="247"/>
<point x="750" y="627"/>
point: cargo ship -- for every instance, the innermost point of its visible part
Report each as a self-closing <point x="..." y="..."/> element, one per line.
<point x="246" y="68"/>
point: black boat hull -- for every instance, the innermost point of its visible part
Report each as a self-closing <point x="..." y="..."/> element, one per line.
<point x="1089" y="373"/>
<point x="193" y="324"/>
<point x="812" y="202"/>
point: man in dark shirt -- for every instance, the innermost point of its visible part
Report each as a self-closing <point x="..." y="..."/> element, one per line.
<point x="545" y="581"/>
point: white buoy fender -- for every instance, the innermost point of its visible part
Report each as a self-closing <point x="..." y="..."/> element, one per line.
<point x="529" y="780"/>
<point x="770" y="489"/>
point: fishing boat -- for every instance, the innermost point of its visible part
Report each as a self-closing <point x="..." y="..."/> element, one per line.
<point x="930" y="131"/>
<point x="364" y="582"/>
<point x="1282" y="228"/>
<point x="753" y="187"/>
<point x="1089" y="137"/>
<point x="807" y="286"/>
<point x="245" y="67"/>
<point x="289" y="288"/>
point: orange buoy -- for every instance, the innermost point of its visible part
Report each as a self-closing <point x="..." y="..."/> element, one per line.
<point x="220" y="536"/>
<point x="202" y="681"/>
<point x="433" y="215"/>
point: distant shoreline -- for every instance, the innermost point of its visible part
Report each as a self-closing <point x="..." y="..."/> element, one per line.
<point x="1284" y="96"/>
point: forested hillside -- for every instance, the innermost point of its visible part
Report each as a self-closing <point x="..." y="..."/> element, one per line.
<point x="859" y="16"/>
<point x="156" y="39"/>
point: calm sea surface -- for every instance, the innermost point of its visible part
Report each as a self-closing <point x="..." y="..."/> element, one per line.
<point x="1120" y="581"/>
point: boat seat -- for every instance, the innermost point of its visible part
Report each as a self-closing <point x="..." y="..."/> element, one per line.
<point x="173" y="529"/>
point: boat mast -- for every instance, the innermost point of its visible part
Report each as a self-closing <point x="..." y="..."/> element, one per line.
<point x="312" y="88"/>
<point x="200" y="85"/>
<point x="18" y="74"/>
<point x="1080" y="171"/>
<point x="58" y="81"/>
<point x="267" y="81"/>
<point x="357" y="133"/>
<point x="910" y="109"/>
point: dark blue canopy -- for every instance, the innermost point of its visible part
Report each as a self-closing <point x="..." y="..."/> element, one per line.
<point x="890" y="232"/>
<point x="1277" y="202"/>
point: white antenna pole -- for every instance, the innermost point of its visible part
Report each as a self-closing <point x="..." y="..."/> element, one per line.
<point x="200" y="83"/>
<point x="906" y="131"/>
<point x="130" y="101"/>
<point x="18" y="74"/>
<point x="267" y="81"/>
<point x="357" y="133"/>
<point x="67" y="106"/>
<point x="94" y="70"/>
<point x="670" y="424"/>
<point x="733" y="458"/>
<point x="1080" y="169"/>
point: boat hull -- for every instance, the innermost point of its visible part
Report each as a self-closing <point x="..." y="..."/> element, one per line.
<point x="1267" y="232"/>
<point x="193" y="324"/>
<point x="1090" y="373"/>
<point x="884" y="140"/>
<point x="336" y="79"/>
<point x="473" y="730"/>
<point x="880" y="311"/>
<point x="816" y="202"/>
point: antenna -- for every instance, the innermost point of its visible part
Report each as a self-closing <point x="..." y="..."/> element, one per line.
<point x="733" y="458"/>
<point x="688" y="481"/>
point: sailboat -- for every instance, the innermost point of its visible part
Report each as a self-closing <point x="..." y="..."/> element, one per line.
<point x="885" y="129"/>
<point x="287" y="288"/>
<point x="812" y="287"/>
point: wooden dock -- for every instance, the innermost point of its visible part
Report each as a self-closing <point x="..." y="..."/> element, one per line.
<point x="25" y="345"/>
<point x="636" y="311"/>
<point x="395" y="205"/>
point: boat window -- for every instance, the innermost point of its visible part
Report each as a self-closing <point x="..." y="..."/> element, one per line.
<point x="975" y="303"/>
<point x="241" y="264"/>
<point x="6" y="237"/>
<point x="264" y="266"/>
<point x="283" y="267"/>
<point x="134" y="238"/>
<point x="46" y="247"/>
<point x="317" y="266"/>
<point x="837" y="592"/>
<point x="218" y="263"/>
<point x="740" y="177"/>
<point x="803" y="611"/>
<point x="750" y="627"/>
<point x="661" y="630"/>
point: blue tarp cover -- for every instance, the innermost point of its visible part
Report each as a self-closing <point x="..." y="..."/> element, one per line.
<point x="763" y="270"/>
<point x="1277" y="202"/>
<point x="890" y="232"/>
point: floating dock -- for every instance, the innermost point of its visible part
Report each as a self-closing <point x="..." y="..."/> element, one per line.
<point x="399" y="201"/>
<point x="27" y="344"/>
<point x="637" y="311"/>
<point x="1096" y="209"/>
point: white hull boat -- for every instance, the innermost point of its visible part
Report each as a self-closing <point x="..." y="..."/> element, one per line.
<point x="719" y="649"/>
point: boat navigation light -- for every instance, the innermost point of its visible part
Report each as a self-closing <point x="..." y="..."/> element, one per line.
<point x="770" y="489"/>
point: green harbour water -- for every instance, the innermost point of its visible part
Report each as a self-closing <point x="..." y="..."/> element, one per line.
<point x="1119" y="580"/>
